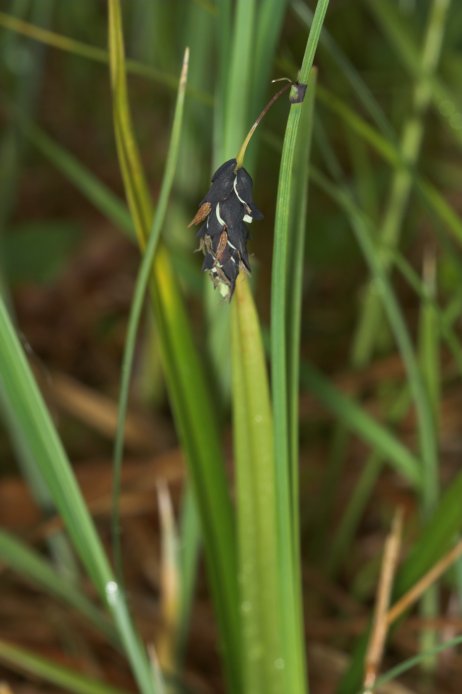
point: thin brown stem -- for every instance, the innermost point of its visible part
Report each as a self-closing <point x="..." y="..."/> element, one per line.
<point x="380" y="625"/>
<point x="414" y="593"/>
<point x="241" y="154"/>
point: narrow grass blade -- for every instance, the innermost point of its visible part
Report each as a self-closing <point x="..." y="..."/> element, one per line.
<point x="223" y="24"/>
<point x="89" y="185"/>
<point x="113" y="208"/>
<point x="269" y="22"/>
<point x="351" y="74"/>
<point x="402" y="181"/>
<point x="392" y="25"/>
<point x="198" y="428"/>
<point x="287" y="231"/>
<point x="370" y="431"/>
<point x="448" y="645"/>
<point x="239" y="79"/>
<point x="348" y="524"/>
<point x="34" y="568"/>
<point x="18" y="388"/>
<point x="195" y="415"/>
<point x="68" y="680"/>
<point x="427" y="441"/>
<point x="24" y="96"/>
<point x="294" y="282"/>
<point x="99" y="55"/>
<point x="429" y="336"/>
<point x="430" y="195"/>
<point x="294" y="285"/>
<point x="262" y="651"/>
<point x="137" y="305"/>
<point x="435" y="539"/>
<point x="370" y="474"/>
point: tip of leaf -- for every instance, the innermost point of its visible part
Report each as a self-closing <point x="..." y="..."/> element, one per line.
<point x="184" y="69"/>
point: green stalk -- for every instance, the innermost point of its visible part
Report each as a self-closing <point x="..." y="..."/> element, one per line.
<point x="284" y="360"/>
<point x="272" y="619"/>
<point x="263" y="651"/>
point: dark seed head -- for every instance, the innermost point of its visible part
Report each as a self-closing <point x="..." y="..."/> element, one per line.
<point x="223" y="234"/>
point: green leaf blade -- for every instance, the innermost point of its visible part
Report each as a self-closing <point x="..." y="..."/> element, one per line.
<point x="262" y="650"/>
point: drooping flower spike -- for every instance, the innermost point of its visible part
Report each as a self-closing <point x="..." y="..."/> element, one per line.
<point x="223" y="213"/>
<point x="223" y="234"/>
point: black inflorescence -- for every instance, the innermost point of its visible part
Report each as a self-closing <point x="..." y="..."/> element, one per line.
<point x="223" y="235"/>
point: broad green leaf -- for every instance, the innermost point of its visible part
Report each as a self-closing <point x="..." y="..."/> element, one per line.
<point x="262" y="652"/>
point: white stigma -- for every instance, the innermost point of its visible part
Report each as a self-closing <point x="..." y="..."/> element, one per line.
<point x="218" y="215"/>
<point x="235" y="190"/>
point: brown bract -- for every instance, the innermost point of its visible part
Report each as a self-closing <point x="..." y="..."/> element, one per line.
<point x="201" y="214"/>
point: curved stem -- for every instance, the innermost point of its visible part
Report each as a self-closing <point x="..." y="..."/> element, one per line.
<point x="241" y="153"/>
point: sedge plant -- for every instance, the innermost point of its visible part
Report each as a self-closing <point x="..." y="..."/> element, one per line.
<point x="251" y="542"/>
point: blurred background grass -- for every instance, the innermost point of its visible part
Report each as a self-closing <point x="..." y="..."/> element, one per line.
<point x="385" y="155"/>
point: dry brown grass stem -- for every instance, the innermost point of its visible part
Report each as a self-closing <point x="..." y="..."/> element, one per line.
<point x="380" y="623"/>
<point x="425" y="582"/>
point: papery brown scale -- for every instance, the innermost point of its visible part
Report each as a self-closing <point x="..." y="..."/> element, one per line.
<point x="201" y="214"/>
<point x="222" y="243"/>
